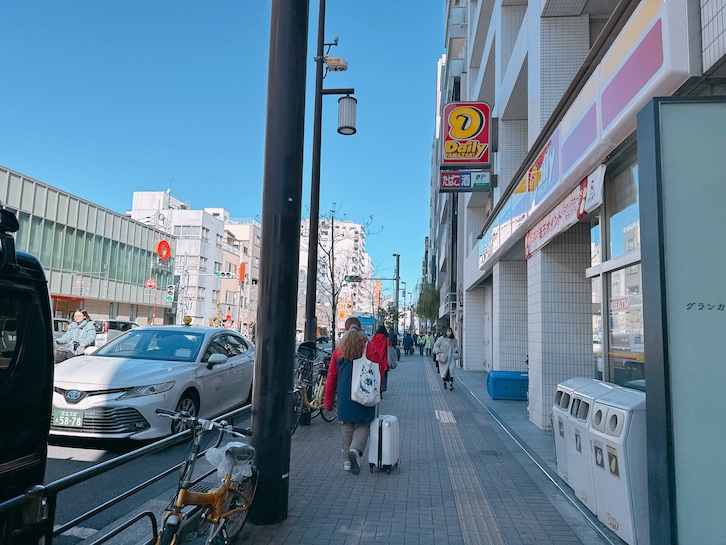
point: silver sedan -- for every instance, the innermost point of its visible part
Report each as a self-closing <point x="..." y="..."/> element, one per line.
<point x="113" y="392"/>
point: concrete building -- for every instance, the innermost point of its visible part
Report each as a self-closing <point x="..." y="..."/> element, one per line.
<point x="248" y="234"/>
<point x="541" y="272"/>
<point x="200" y="247"/>
<point x="341" y="253"/>
<point x="94" y="258"/>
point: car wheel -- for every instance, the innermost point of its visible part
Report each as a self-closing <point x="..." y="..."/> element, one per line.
<point x="188" y="403"/>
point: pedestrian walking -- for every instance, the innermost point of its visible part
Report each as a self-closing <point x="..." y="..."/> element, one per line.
<point x="378" y="352"/>
<point x="81" y="333"/>
<point x="407" y="344"/>
<point x="446" y="352"/>
<point x="420" y="342"/>
<point x="427" y="344"/>
<point x="355" y="419"/>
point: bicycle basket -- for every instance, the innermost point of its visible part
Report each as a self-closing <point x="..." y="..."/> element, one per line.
<point x="308" y="350"/>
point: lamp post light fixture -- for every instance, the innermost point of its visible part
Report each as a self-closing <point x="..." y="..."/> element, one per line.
<point x="346" y="126"/>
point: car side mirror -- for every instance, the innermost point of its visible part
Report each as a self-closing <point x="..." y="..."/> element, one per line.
<point x="216" y="359"/>
<point x="89" y="350"/>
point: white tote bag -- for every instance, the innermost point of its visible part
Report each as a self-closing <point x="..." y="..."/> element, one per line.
<point x="365" y="384"/>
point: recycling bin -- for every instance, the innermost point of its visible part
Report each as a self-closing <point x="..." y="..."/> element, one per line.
<point x="579" y="461"/>
<point x="620" y="473"/>
<point x="560" y="421"/>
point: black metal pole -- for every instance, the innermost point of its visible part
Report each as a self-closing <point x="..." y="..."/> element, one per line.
<point x="281" y="206"/>
<point x="311" y="295"/>
<point x="398" y="262"/>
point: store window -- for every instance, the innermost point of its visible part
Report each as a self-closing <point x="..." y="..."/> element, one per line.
<point x="621" y="207"/>
<point x="626" y="353"/>
<point x="597" y="344"/>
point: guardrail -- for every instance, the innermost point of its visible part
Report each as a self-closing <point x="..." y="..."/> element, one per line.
<point x="37" y="505"/>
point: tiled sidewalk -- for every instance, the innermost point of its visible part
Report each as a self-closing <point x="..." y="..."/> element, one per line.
<point x="462" y="478"/>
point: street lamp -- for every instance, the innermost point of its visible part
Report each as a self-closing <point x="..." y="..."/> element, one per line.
<point x="346" y="122"/>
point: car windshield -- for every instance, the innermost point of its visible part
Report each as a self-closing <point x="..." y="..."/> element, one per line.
<point x="140" y="344"/>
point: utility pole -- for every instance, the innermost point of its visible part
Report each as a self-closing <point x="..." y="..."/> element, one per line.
<point x="397" y="278"/>
<point x="332" y="274"/>
<point x="279" y="263"/>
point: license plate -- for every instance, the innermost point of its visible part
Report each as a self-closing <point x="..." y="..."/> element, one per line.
<point x="67" y="418"/>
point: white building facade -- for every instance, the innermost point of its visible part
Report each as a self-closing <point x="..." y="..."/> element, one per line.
<point x="341" y="253"/>
<point x="542" y="272"/>
<point x="199" y="254"/>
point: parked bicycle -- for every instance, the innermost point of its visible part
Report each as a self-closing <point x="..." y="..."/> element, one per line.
<point x="226" y="507"/>
<point x="309" y="388"/>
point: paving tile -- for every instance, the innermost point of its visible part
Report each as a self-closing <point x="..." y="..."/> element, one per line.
<point x="452" y="477"/>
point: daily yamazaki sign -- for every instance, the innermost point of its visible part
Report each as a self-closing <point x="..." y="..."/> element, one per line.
<point x="466" y="133"/>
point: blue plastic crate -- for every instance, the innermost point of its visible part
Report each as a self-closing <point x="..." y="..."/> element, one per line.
<point x="507" y="385"/>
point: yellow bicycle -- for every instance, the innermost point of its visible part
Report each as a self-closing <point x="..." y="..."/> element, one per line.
<point x="227" y="506"/>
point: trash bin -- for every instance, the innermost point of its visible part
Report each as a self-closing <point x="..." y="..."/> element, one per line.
<point x="620" y="473"/>
<point x="560" y="421"/>
<point x="579" y="461"/>
<point x="508" y="385"/>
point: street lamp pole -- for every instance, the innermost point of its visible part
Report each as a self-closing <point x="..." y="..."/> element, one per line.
<point x="346" y="127"/>
<point x="311" y="293"/>
<point x="397" y="278"/>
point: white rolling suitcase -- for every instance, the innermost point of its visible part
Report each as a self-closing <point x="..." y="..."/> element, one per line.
<point x="384" y="446"/>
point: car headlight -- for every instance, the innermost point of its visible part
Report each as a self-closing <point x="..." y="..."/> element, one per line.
<point x="150" y="390"/>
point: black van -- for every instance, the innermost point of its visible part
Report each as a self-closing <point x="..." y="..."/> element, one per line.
<point x="26" y="365"/>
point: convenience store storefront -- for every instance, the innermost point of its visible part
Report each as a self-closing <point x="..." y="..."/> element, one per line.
<point x="568" y="232"/>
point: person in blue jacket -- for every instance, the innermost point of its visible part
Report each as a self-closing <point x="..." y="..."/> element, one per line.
<point x="81" y="333"/>
<point x="355" y="419"/>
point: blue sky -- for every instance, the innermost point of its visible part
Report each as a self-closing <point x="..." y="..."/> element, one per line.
<point x="101" y="99"/>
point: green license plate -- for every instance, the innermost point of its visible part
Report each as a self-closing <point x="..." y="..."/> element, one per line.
<point x="67" y="418"/>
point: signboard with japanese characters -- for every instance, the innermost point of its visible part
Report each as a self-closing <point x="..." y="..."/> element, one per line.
<point x="466" y="130"/>
<point x="455" y="180"/>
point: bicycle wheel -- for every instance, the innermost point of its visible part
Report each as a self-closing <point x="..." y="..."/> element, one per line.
<point x="242" y="498"/>
<point x="329" y="416"/>
<point x="297" y="407"/>
<point x="168" y="534"/>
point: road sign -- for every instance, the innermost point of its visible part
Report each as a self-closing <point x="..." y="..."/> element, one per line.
<point x="150" y="283"/>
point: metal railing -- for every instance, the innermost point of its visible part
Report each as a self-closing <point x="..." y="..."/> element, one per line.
<point x="37" y="505"/>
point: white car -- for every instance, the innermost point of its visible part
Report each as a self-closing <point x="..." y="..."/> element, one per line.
<point x="114" y="392"/>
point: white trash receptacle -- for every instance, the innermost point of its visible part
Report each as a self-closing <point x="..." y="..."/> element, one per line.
<point x="620" y="472"/>
<point x="579" y="461"/>
<point x="560" y="421"/>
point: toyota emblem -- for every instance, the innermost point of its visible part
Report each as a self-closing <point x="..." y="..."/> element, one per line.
<point x="73" y="395"/>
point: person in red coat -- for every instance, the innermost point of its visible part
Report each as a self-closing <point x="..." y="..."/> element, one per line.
<point x="378" y="352"/>
<point x="355" y="419"/>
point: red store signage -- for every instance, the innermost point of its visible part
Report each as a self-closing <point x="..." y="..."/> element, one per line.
<point x="466" y="130"/>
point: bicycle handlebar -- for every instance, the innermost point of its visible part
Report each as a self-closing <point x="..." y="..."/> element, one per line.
<point x="203" y="423"/>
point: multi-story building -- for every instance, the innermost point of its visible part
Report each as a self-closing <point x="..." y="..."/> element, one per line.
<point x="248" y="234"/>
<point x="111" y="265"/>
<point x="341" y="253"/>
<point x="531" y="280"/>
<point x="543" y="272"/>
<point x="200" y="236"/>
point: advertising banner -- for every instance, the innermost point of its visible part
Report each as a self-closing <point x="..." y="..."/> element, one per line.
<point x="466" y="129"/>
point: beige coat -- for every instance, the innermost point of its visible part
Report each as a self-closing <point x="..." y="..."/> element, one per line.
<point x="446" y="347"/>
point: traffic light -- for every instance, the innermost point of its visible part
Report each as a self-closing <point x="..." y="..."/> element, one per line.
<point x="353" y="278"/>
<point x="220" y="274"/>
<point x="170" y="292"/>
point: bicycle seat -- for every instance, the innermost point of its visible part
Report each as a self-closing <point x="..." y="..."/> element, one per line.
<point x="240" y="452"/>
